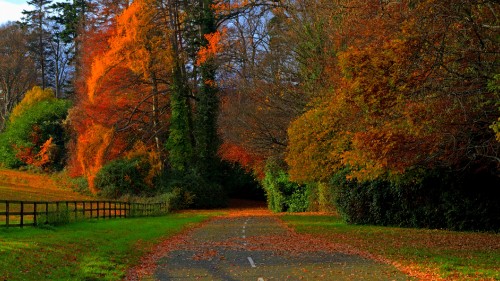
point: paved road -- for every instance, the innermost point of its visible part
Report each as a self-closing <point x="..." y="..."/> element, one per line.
<point x="261" y="248"/>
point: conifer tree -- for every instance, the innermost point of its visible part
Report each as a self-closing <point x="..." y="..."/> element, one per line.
<point x="36" y="20"/>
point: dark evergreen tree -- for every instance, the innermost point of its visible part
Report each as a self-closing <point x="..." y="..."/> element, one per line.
<point x="67" y="21"/>
<point x="193" y="141"/>
<point x="207" y="106"/>
<point x="37" y="21"/>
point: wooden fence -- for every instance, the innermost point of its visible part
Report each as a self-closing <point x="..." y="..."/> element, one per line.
<point x="30" y="213"/>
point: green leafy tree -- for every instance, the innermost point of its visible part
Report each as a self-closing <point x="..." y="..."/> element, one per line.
<point x="35" y="134"/>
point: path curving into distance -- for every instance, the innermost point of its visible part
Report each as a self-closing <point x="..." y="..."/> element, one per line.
<point x="255" y="245"/>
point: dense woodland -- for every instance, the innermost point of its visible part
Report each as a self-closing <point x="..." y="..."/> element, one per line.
<point x="385" y="111"/>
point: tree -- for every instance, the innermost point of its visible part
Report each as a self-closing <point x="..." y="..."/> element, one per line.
<point x="259" y="75"/>
<point x="34" y="134"/>
<point x="36" y="21"/>
<point x="17" y="68"/>
<point x="193" y="139"/>
<point x="412" y="93"/>
<point x="54" y="28"/>
<point x="279" y="57"/>
<point x="125" y="93"/>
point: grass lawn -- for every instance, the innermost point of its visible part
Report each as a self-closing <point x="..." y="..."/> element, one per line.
<point x="90" y="250"/>
<point x="453" y="255"/>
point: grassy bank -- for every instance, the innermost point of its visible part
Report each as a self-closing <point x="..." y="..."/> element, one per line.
<point x="19" y="185"/>
<point x="92" y="250"/>
<point x="453" y="255"/>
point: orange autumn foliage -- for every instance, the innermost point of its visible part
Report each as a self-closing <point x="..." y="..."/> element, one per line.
<point x="403" y="95"/>
<point x="93" y="151"/>
<point x="137" y="44"/>
<point x="228" y="7"/>
<point x="212" y="47"/>
<point x="237" y="154"/>
<point x="121" y="98"/>
<point x="41" y="158"/>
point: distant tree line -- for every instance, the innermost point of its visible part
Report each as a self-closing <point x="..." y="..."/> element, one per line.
<point x="386" y="111"/>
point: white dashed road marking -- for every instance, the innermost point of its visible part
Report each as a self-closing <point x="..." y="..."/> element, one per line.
<point x="252" y="264"/>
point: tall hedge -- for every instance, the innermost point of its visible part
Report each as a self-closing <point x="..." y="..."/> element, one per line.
<point x="422" y="198"/>
<point x="282" y="194"/>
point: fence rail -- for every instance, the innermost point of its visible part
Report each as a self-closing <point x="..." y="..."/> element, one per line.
<point x="30" y="213"/>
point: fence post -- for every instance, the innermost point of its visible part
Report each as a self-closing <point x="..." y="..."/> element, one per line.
<point x="76" y="213"/>
<point x="7" y="210"/>
<point x="46" y="212"/>
<point x="34" y="213"/>
<point x="97" y="209"/>
<point x="115" y="209"/>
<point x="22" y="213"/>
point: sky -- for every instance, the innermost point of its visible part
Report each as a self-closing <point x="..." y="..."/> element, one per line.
<point x="10" y="10"/>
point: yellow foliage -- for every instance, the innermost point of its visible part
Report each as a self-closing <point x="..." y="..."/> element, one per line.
<point x="496" y="129"/>
<point x="32" y="97"/>
<point x="152" y="157"/>
<point x="315" y="145"/>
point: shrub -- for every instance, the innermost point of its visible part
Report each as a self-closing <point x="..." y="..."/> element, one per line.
<point x="282" y="194"/>
<point x="168" y="199"/>
<point x="80" y="185"/>
<point x="194" y="190"/>
<point x="422" y="198"/>
<point x="129" y="176"/>
<point x="36" y="135"/>
<point x="123" y="177"/>
<point x="321" y="197"/>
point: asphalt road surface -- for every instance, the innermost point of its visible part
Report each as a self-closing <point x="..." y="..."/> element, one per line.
<point x="261" y="248"/>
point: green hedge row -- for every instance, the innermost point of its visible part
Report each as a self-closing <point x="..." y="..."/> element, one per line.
<point x="429" y="199"/>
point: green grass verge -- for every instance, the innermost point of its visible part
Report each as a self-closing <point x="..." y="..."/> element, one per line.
<point x="91" y="250"/>
<point x="453" y="255"/>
